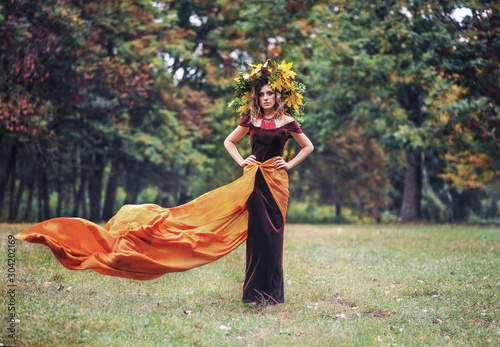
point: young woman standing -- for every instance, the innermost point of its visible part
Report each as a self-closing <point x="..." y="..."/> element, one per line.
<point x="146" y="241"/>
<point x="269" y="127"/>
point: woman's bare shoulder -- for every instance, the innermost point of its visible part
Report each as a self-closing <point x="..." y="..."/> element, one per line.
<point x="286" y="119"/>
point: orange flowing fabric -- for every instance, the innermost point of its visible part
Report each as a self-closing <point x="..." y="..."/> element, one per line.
<point x="144" y="242"/>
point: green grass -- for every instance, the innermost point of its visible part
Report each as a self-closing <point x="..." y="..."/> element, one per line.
<point x="377" y="285"/>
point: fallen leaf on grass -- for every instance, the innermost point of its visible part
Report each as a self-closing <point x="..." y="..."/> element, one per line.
<point x="379" y="314"/>
<point x="223" y="327"/>
<point x="56" y="278"/>
<point x="61" y="287"/>
<point x="187" y="313"/>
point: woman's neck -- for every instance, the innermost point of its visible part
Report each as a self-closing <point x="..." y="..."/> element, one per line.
<point x="269" y="113"/>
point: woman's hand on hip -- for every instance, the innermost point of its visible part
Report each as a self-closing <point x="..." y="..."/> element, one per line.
<point x="280" y="163"/>
<point x="248" y="161"/>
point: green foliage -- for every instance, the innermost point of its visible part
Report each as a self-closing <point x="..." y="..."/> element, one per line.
<point x="364" y="179"/>
<point x="382" y="64"/>
<point x="311" y="213"/>
<point x="132" y="96"/>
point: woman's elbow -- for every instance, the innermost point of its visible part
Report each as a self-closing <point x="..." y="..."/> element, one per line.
<point x="228" y="142"/>
<point x="310" y="147"/>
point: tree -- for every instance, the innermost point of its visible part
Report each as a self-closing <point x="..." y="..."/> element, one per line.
<point x="349" y="170"/>
<point x="471" y="115"/>
<point x="80" y="99"/>
<point x="378" y="64"/>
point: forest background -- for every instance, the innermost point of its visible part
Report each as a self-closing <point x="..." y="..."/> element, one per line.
<point x="105" y="103"/>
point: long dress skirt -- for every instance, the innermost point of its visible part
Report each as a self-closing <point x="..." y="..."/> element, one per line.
<point x="264" y="247"/>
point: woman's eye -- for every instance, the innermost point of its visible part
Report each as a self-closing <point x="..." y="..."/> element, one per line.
<point x="269" y="93"/>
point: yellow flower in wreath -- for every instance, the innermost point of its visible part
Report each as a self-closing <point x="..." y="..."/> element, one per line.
<point x="295" y="100"/>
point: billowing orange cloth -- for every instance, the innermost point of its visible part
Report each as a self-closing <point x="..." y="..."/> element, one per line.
<point x="144" y="242"/>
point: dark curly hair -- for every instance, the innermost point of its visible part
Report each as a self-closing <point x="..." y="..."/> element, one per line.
<point x="256" y="109"/>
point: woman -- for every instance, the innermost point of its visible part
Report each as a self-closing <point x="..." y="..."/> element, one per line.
<point x="145" y="241"/>
<point x="269" y="126"/>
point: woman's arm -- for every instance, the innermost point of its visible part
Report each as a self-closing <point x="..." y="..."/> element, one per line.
<point x="230" y="144"/>
<point x="307" y="148"/>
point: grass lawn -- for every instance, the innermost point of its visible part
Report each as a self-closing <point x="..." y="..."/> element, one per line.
<point x="376" y="285"/>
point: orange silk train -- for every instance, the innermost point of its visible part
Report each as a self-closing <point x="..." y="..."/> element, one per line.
<point x="144" y="242"/>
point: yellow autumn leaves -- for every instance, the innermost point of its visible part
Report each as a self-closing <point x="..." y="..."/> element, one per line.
<point x="467" y="170"/>
<point x="246" y="99"/>
<point x="282" y="79"/>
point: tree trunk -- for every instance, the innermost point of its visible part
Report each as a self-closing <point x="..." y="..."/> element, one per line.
<point x="40" y="207"/>
<point x="12" y="190"/>
<point x="95" y="187"/>
<point x="3" y="180"/>
<point x="411" y="209"/>
<point x="492" y="210"/>
<point x="85" y="211"/>
<point x="184" y="197"/>
<point x="44" y="194"/>
<point x="159" y="195"/>
<point x="465" y="203"/>
<point x="162" y="198"/>
<point x="459" y="206"/>
<point x="131" y="189"/>
<point x="29" y="202"/>
<point x="59" y="201"/>
<point x="338" y="209"/>
<point x="80" y="194"/>
<point x="111" y="189"/>
<point x="19" y="196"/>
<point x="11" y="163"/>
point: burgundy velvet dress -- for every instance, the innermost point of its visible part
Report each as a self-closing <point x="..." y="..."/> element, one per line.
<point x="264" y="246"/>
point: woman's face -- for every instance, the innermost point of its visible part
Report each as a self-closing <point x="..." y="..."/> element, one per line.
<point x="267" y="97"/>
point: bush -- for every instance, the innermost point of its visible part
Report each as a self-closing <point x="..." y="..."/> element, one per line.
<point x="306" y="213"/>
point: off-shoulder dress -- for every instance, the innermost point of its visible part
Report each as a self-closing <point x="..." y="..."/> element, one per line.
<point x="266" y="223"/>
